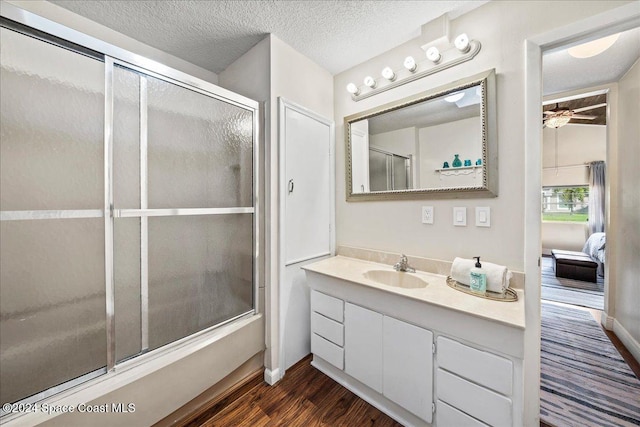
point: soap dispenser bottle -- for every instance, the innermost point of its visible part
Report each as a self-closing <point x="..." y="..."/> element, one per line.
<point x="478" y="278"/>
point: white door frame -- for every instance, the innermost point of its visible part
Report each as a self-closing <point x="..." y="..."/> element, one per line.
<point x="283" y="105"/>
<point x="612" y="21"/>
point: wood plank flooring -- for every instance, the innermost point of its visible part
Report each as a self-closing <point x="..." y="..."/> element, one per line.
<point x="304" y="397"/>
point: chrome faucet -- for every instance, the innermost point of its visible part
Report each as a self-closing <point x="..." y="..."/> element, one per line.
<point x="403" y="265"/>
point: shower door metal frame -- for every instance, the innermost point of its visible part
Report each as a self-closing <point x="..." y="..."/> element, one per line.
<point x="114" y="55"/>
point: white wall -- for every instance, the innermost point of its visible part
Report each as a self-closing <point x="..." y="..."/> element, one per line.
<point x="626" y="216"/>
<point x="568" y="236"/>
<point x="395" y="226"/>
<point x="273" y="69"/>
<point x="577" y="144"/>
<point x="401" y="141"/>
<point x="439" y="144"/>
<point x="503" y="28"/>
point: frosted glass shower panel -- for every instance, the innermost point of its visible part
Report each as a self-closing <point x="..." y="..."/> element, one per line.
<point x="200" y="273"/>
<point x="128" y="299"/>
<point x="51" y="126"/>
<point x="400" y="173"/>
<point x="52" y="304"/>
<point x="127" y="93"/>
<point x="378" y="174"/>
<point x="200" y="149"/>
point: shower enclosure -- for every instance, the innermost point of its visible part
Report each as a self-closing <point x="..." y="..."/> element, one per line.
<point x="128" y="215"/>
<point x="388" y="171"/>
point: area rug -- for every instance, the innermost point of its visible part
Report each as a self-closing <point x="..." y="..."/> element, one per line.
<point x="584" y="380"/>
<point x="568" y="291"/>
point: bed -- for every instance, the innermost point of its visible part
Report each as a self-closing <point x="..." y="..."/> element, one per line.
<point x="594" y="247"/>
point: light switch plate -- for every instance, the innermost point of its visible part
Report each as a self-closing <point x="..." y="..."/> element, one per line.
<point x="427" y="214"/>
<point x="460" y="216"/>
<point x="483" y="216"/>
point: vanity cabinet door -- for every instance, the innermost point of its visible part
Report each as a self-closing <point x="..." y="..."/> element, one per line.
<point x="363" y="345"/>
<point x="408" y="366"/>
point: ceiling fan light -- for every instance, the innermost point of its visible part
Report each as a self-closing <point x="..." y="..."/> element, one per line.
<point x="593" y="48"/>
<point x="557" y="121"/>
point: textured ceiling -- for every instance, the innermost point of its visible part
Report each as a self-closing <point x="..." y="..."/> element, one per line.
<point x="212" y="34"/>
<point x="562" y="72"/>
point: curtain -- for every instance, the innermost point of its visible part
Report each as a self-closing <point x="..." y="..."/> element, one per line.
<point x="596" y="197"/>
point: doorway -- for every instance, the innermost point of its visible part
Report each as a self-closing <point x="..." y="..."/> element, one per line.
<point x="621" y="19"/>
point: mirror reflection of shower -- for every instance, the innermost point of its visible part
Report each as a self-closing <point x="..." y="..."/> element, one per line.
<point x="389" y="171"/>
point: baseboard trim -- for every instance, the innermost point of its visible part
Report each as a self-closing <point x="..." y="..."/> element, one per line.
<point x="629" y="342"/>
<point x="272" y="376"/>
<point x="607" y="321"/>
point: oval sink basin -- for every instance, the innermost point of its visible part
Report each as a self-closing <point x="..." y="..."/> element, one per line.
<point x="396" y="279"/>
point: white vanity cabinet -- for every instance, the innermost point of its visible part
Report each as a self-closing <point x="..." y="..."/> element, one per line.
<point x="363" y="345"/>
<point x="391" y="356"/>
<point x="421" y="363"/>
<point x="407" y="368"/>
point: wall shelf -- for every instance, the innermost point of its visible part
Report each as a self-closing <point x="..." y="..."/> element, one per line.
<point x="462" y="170"/>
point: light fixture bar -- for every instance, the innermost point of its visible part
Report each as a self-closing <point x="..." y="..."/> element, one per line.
<point x="473" y="51"/>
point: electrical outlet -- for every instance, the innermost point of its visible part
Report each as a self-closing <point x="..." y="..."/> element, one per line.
<point x="427" y="214"/>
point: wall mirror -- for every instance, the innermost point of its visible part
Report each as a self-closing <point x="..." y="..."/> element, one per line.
<point x="437" y="144"/>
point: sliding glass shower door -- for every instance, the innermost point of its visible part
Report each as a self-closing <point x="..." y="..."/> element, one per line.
<point x="183" y="198"/>
<point x="52" y="234"/>
<point x="127" y="213"/>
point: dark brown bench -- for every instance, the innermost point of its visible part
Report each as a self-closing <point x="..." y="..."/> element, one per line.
<point x="574" y="265"/>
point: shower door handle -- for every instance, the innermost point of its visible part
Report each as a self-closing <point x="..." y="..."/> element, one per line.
<point x="290" y="186"/>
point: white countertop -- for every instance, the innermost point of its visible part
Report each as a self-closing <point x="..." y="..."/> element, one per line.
<point x="437" y="292"/>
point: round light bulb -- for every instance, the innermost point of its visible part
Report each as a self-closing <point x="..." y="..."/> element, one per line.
<point x="410" y="63"/>
<point x="370" y="81"/>
<point x="433" y="54"/>
<point x="388" y="74"/>
<point x="462" y="43"/>
<point x="352" y="89"/>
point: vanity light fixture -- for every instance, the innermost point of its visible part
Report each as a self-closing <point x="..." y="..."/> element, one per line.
<point x="462" y="43"/>
<point x="370" y="81"/>
<point x="410" y="64"/>
<point x="353" y="89"/>
<point x="433" y="54"/>
<point x="388" y="74"/>
<point x="458" y="51"/>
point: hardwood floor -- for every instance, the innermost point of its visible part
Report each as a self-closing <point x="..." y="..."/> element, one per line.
<point x="304" y="397"/>
<point x="307" y="397"/>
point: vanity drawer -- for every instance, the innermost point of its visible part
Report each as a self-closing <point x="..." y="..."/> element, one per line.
<point x="330" y="307"/>
<point x="327" y="328"/>
<point x="481" y="367"/>
<point x="479" y="402"/>
<point x="449" y="416"/>
<point x="327" y="351"/>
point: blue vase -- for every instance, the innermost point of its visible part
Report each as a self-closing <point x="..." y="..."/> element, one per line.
<point x="467" y="162"/>
<point x="445" y="165"/>
<point x="456" y="162"/>
<point x="478" y="162"/>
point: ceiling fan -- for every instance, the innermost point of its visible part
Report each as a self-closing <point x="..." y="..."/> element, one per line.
<point x="559" y="117"/>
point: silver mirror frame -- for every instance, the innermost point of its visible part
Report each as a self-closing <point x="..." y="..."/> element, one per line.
<point x="489" y="187"/>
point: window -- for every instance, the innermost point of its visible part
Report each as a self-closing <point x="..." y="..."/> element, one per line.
<point x="569" y="203"/>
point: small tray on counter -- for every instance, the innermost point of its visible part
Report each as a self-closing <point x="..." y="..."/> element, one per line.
<point x="509" y="294"/>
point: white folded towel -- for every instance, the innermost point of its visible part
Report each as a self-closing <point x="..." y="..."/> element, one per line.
<point x="498" y="276"/>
